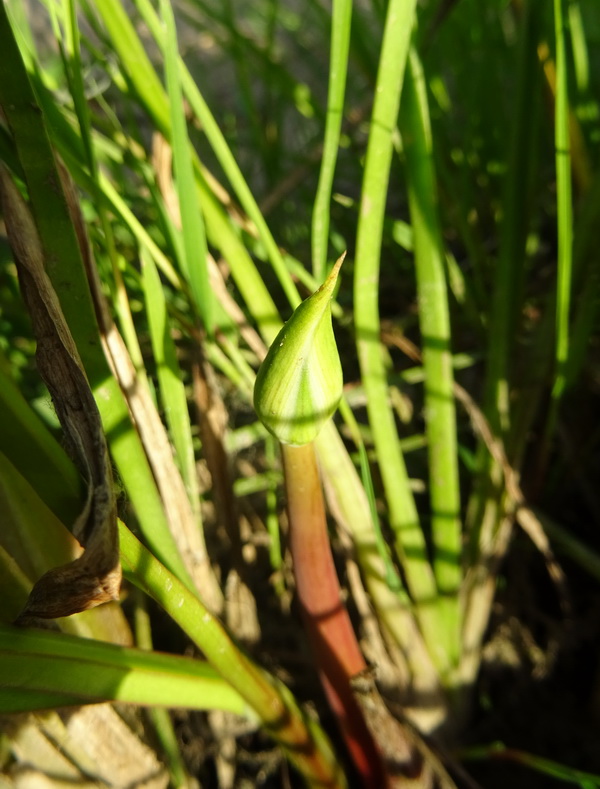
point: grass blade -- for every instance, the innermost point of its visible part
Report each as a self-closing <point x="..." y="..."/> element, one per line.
<point x="434" y="322"/>
<point x="35" y="453"/>
<point x="403" y="513"/>
<point x="51" y="665"/>
<point x="195" y="250"/>
<point x="148" y="86"/>
<point x="170" y="380"/>
<point x="341" y="22"/>
<point x="564" y="207"/>
<point x="67" y="274"/>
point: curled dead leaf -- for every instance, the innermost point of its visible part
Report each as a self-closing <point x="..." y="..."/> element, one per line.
<point x="95" y="576"/>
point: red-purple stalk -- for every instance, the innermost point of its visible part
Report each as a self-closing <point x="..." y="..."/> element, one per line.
<point x="334" y="645"/>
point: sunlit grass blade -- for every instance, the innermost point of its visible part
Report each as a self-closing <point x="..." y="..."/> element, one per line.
<point x="74" y="71"/>
<point x="33" y="540"/>
<point x="218" y="227"/>
<point x="170" y="381"/>
<point x="70" y="48"/>
<point x="404" y="518"/>
<point x="195" y="250"/>
<point x="32" y="534"/>
<point x="434" y="322"/>
<point x="236" y="179"/>
<point x="391" y="575"/>
<point x="91" y="671"/>
<point x="341" y="21"/>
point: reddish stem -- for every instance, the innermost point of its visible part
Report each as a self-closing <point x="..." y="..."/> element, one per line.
<point x="326" y="619"/>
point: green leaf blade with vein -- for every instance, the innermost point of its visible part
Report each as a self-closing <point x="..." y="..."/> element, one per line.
<point x="53" y="669"/>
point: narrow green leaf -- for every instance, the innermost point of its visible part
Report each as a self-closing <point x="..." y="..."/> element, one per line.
<point x="403" y="513"/>
<point x="148" y="86"/>
<point x="303" y="741"/>
<point x="341" y="22"/>
<point x="564" y="214"/>
<point x="36" y="454"/>
<point x="170" y="380"/>
<point x="31" y="532"/>
<point x="55" y="669"/>
<point x="195" y="257"/>
<point x="434" y="322"/>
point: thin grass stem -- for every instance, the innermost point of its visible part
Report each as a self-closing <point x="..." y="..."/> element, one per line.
<point x="195" y="251"/>
<point x="434" y="322"/>
<point x="341" y="22"/>
<point x="222" y="151"/>
<point x="564" y="210"/>
<point x="403" y="513"/>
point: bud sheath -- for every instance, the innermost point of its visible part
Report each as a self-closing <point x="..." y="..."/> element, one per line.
<point x="299" y="384"/>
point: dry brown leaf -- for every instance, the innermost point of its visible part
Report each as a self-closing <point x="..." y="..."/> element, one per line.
<point x="95" y="576"/>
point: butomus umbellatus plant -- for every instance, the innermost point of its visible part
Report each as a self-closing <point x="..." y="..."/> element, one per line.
<point x="298" y="388"/>
<point x="467" y="319"/>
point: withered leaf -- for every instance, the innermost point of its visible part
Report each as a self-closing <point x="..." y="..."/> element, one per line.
<point x="95" y="576"/>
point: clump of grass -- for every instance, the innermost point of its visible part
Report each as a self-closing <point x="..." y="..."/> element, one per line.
<point x="404" y="157"/>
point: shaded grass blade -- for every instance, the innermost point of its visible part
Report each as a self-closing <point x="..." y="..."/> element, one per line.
<point x="549" y="767"/>
<point x="484" y="513"/>
<point x="564" y="210"/>
<point x="170" y="380"/>
<point x="160" y="717"/>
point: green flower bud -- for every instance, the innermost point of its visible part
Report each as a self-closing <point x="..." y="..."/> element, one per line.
<point x="299" y="384"/>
